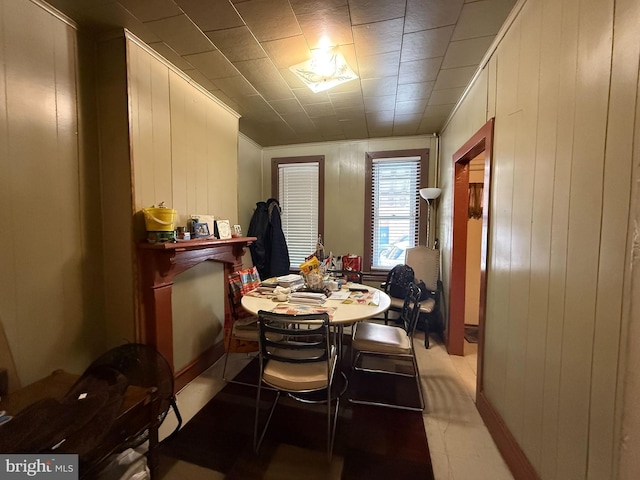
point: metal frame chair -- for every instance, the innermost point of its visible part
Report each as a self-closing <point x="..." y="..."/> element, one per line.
<point x="298" y="355"/>
<point x="390" y="342"/>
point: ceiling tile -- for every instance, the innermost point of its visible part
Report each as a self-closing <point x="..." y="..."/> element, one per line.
<point x="211" y="15"/>
<point x="307" y="97"/>
<point x="148" y="10"/>
<point x="412" y="107"/>
<point x="181" y="34"/>
<point x="346" y="99"/>
<point x="286" y="52"/>
<point x="300" y="7"/>
<point x="212" y="64"/>
<point x="334" y="25"/>
<point x="446" y="96"/>
<point x="464" y="53"/>
<point x="299" y="122"/>
<point x="419" y="71"/>
<point x="454" y="77"/>
<point x="287" y="107"/>
<point x="414" y="91"/>
<point x="235" y="86"/>
<point x="237" y="44"/>
<point x="379" y="104"/>
<point x="426" y="14"/>
<point x="375" y="38"/>
<point x="405" y="125"/>
<point x="170" y="54"/>
<point x="198" y="77"/>
<point x="318" y="110"/>
<point x="370" y="11"/>
<point x="350" y="113"/>
<point x="259" y="70"/>
<point x="481" y="19"/>
<point x="426" y="43"/>
<point x="375" y="87"/>
<point x="407" y="60"/>
<point x="253" y="103"/>
<point x="274" y="90"/>
<point x="437" y="110"/>
<point x="269" y="19"/>
<point x="381" y="65"/>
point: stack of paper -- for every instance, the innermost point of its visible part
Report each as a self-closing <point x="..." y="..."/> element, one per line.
<point x="308" y="298"/>
<point x="290" y="280"/>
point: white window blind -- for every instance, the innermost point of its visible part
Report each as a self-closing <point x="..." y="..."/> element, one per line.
<point x="396" y="209"/>
<point x="298" y="195"/>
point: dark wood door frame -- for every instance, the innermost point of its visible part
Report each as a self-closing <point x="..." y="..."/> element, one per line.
<point x="481" y="141"/>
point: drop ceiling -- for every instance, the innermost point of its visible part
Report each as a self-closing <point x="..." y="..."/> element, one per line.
<point x="414" y="58"/>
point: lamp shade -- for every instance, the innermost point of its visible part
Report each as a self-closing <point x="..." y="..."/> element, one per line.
<point x="430" y="193"/>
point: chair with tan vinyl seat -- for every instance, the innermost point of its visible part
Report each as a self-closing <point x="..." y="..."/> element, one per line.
<point x="298" y="355"/>
<point x="388" y="345"/>
<point x="425" y="263"/>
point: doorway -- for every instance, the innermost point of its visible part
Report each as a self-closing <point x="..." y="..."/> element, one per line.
<point x="480" y="145"/>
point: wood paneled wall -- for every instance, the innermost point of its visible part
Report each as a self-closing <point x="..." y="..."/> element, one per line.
<point x="182" y="149"/>
<point x="51" y="281"/>
<point x="563" y="86"/>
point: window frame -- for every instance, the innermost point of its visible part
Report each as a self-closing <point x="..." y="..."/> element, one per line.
<point x="423" y="153"/>
<point x="275" y="185"/>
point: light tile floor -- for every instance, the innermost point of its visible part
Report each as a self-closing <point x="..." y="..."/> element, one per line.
<point x="460" y="445"/>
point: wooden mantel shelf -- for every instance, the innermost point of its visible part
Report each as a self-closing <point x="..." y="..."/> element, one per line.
<point x="159" y="263"/>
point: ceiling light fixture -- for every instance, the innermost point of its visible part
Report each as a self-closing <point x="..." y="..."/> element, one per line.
<point x="325" y="69"/>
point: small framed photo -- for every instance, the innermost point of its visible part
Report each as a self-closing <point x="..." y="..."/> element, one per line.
<point x="224" y="228"/>
<point x="201" y="230"/>
<point x="237" y="231"/>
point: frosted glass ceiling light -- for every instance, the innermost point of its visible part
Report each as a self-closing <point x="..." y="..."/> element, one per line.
<point x="326" y="69"/>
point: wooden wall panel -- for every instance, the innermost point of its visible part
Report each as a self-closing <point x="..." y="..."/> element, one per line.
<point x="565" y="101"/>
<point x="593" y="65"/>
<point x="43" y="191"/>
<point x="546" y="137"/>
<point x="616" y="187"/>
<point x="184" y="152"/>
<point x="522" y="368"/>
<point x="499" y="347"/>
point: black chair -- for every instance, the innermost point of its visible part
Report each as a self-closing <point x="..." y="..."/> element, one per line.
<point x="391" y="343"/>
<point x="298" y="355"/>
<point x="396" y="285"/>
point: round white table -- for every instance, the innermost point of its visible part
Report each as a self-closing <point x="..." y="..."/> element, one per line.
<point x="344" y="314"/>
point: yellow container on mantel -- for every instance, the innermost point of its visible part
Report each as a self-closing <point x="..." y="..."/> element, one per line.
<point x="160" y="218"/>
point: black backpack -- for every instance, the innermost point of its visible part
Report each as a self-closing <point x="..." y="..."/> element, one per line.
<point x="398" y="280"/>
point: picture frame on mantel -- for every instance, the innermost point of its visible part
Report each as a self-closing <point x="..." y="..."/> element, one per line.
<point x="224" y="228"/>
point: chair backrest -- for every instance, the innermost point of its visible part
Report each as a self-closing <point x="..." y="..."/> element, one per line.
<point x="241" y="282"/>
<point x="294" y="338"/>
<point x="398" y="280"/>
<point x="410" y="309"/>
<point x="425" y="262"/>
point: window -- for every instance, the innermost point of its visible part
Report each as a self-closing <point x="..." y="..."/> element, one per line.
<point x="298" y="183"/>
<point x="394" y="219"/>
